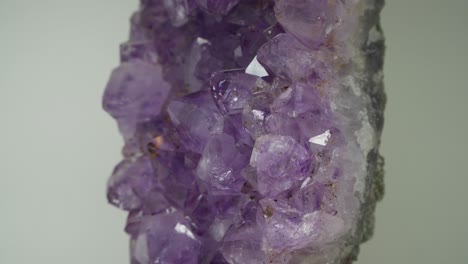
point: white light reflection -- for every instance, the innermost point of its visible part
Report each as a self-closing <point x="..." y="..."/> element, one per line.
<point x="321" y="139"/>
<point x="255" y="68"/>
<point x="182" y="229"/>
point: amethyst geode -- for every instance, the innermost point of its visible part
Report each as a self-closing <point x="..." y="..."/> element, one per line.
<point x="251" y="130"/>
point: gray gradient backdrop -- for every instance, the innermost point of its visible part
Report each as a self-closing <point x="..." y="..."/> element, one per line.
<point x="57" y="147"/>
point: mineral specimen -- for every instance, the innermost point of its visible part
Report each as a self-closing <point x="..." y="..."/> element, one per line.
<point x="251" y="130"/>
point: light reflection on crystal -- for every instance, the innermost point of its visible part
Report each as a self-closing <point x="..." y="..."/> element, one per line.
<point x="255" y="68"/>
<point x="321" y="139"/>
<point x="182" y="229"/>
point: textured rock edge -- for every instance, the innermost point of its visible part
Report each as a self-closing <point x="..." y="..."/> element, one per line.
<point x="373" y="49"/>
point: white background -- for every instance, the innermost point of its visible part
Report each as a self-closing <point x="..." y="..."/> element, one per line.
<point x="57" y="147"/>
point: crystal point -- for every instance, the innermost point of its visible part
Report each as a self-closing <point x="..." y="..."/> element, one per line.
<point x="135" y="93"/>
<point x="281" y="162"/>
<point x="217" y="6"/>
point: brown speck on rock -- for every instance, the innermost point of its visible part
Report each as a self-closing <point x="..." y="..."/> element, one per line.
<point x="246" y="188"/>
<point x="252" y="28"/>
<point x="268" y="212"/>
<point x="258" y="89"/>
<point x="330" y="42"/>
<point x="166" y="118"/>
<point x="321" y="88"/>
<point x="332" y="186"/>
<point x="152" y="150"/>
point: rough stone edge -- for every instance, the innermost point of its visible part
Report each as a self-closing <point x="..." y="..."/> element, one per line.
<point x="373" y="50"/>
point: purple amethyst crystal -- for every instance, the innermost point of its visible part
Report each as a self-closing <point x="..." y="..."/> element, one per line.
<point x="288" y="58"/>
<point x="311" y="21"/>
<point x="221" y="164"/>
<point x="280" y="163"/>
<point x="135" y="94"/>
<point x="166" y="238"/>
<point x="251" y="130"/>
<point x="217" y="6"/>
<point x="231" y="90"/>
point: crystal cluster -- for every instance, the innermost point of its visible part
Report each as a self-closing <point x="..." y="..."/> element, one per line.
<point x="251" y="130"/>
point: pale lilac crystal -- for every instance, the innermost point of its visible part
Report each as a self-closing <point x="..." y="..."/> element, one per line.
<point x="221" y="164"/>
<point x="286" y="57"/>
<point x="255" y="113"/>
<point x="138" y="50"/>
<point x="178" y="11"/>
<point x="281" y="163"/>
<point x="234" y="126"/>
<point x="300" y="111"/>
<point x="287" y="228"/>
<point x="130" y="183"/>
<point x="157" y="235"/>
<point x="251" y="130"/>
<point x="323" y="144"/>
<point x="243" y="245"/>
<point x="135" y="93"/>
<point x="195" y="119"/>
<point x="258" y="26"/>
<point x="231" y="90"/>
<point x="217" y="6"/>
<point x="284" y="226"/>
<point x="193" y="77"/>
<point x="282" y="124"/>
<point x="311" y="21"/>
<point x="315" y="197"/>
<point x="299" y="98"/>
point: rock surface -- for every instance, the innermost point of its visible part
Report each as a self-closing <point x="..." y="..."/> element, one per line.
<point x="251" y="129"/>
